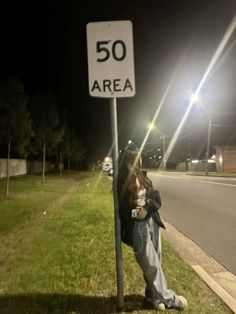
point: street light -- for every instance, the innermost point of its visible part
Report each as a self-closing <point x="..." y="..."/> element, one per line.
<point x="151" y="126"/>
<point x="208" y="139"/>
<point x="194" y="98"/>
<point x="163" y="138"/>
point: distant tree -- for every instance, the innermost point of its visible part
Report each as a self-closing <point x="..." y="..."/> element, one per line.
<point x="77" y="153"/>
<point x="46" y="124"/>
<point x="71" y="147"/>
<point x="64" y="148"/>
<point x="97" y="152"/>
<point x="15" y="120"/>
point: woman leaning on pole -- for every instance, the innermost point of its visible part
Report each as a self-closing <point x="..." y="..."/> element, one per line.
<point x="140" y="228"/>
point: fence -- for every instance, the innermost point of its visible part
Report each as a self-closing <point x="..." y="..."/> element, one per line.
<point x="19" y="167"/>
<point x="198" y="166"/>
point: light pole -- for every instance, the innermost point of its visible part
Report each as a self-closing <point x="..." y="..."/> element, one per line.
<point x="163" y="138"/>
<point x="208" y="140"/>
<point x="151" y="126"/>
<point x="193" y="99"/>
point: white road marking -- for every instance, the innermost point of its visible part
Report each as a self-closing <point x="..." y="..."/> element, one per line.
<point x="190" y="179"/>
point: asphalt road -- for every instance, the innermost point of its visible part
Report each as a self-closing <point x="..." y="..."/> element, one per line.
<point x="204" y="209"/>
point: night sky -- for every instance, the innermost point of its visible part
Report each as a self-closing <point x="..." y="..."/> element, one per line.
<point x="43" y="43"/>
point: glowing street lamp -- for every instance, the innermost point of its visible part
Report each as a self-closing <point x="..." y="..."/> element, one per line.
<point x="194" y="98"/>
<point x="151" y="126"/>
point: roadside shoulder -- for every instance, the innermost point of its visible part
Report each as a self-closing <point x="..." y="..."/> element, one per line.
<point x="222" y="281"/>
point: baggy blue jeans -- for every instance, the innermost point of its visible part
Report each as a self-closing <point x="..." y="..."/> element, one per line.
<point x="147" y="250"/>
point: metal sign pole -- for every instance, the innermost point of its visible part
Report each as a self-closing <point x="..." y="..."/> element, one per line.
<point x="111" y="74"/>
<point x="120" y="296"/>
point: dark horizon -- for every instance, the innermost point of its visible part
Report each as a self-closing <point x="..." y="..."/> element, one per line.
<point x="45" y="47"/>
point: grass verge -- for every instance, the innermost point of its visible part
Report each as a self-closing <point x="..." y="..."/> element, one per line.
<point x="57" y="253"/>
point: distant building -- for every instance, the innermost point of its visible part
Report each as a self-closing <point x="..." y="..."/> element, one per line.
<point x="226" y="158"/>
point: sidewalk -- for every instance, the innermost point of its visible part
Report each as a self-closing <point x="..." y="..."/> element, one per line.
<point x="218" y="278"/>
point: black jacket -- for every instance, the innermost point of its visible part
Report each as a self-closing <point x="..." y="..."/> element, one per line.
<point x="153" y="203"/>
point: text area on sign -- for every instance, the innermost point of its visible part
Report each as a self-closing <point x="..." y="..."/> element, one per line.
<point x="110" y="59"/>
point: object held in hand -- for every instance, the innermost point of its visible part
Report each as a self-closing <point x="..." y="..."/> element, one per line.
<point x="134" y="212"/>
<point x="139" y="213"/>
<point x="142" y="213"/>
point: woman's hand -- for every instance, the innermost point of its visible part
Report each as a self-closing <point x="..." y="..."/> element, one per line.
<point x="142" y="213"/>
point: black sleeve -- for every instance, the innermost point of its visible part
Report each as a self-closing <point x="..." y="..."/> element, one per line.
<point x="153" y="200"/>
<point x="153" y="204"/>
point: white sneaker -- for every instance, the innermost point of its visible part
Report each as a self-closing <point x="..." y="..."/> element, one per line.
<point x="183" y="303"/>
<point x="158" y="306"/>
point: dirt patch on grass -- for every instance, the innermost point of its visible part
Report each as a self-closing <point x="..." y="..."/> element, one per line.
<point x="22" y="234"/>
<point x="83" y="176"/>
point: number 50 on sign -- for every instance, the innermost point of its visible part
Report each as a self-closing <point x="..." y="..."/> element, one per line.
<point x="110" y="59"/>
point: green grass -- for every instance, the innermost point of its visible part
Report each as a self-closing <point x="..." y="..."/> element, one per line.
<point x="63" y="261"/>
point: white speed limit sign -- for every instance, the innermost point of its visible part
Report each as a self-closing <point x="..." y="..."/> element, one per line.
<point x="110" y="59"/>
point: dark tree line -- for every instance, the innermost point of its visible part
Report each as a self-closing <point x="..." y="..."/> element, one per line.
<point x="32" y="127"/>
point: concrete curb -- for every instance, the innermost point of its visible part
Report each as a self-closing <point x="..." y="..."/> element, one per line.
<point x="218" y="278"/>
<point x="225" y="296"/>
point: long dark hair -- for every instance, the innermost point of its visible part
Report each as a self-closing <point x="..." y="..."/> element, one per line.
<point x="130" y="155"/>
